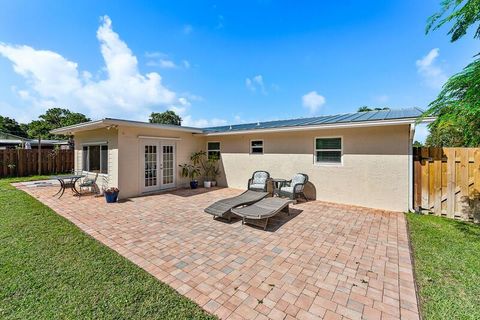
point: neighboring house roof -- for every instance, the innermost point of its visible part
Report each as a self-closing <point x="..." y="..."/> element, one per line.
<point x="368" y="118"/>
<point x="8" y="138"/>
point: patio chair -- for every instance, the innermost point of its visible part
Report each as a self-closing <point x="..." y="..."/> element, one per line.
<point x="258" y="181"/>
<point x="262" y="210"/>
<point x="222" y="208"/>
<point x="294" y="188"/>
<point x="89" y="185"/>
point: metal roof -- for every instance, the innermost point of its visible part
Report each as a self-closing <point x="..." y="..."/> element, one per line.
<point x="355" y="117"/>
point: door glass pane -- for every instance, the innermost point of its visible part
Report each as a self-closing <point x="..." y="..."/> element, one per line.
<point x="150" y="178"/>
<point x="167" y="171"/>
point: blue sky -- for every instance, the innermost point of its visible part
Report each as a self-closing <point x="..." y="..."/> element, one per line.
<point x="221" y="62"/>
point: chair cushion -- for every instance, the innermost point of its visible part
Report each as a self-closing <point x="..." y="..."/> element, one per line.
<point x="259" y="186"/>
<point x="298" y="178"/>
<point x="260" y="177"/>
<point x="287" y="189"/>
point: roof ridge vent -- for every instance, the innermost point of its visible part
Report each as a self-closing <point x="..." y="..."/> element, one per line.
<point x="258" y="123"/>
<point x="230" y="127"/>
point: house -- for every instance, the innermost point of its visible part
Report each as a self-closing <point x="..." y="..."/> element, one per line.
<point x="11" y="141"/>
<point x="362" y="158"/>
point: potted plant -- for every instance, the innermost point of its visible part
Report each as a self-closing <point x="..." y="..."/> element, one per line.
<point x="200" y="159"/>
<point x="111" y="194"/>
<point x="190" y="171"/>
<point x="213" y="170"/>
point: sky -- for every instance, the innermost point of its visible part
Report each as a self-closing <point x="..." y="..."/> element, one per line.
<point x="219" y="63"/>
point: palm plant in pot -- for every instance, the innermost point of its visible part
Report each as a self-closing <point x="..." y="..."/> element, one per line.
<point x="190" y="171"/>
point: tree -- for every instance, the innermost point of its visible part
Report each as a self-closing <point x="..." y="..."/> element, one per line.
<point x="367" y="108"/>
<point x="457" y="107"/>
<point x="417" y="144"/>
<point x="167" y="117"/>
<point x="11" y="126"/>
<point x="52" y="119"/>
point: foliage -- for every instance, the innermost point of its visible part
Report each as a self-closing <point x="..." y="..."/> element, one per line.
<point x="52" y="269"/>
<point x="461" y="16"/>
<point x="52" y="119"/>
<point x="189" y="171"/>
<point x="11" y="126"/>
<point x="367" y="108"/>
<point x="447" y="266"/>
<point x="167" y="117"/>
<point x="457" y="107"/>
<point x="417" y="144"/>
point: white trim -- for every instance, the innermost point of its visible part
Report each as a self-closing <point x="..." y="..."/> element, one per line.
<point x="410" y="169"/>
<point x="325" y="126"/>
<point x="94" y="143"/>
<point x="159" y="138"/>
<point x="328" y="164"/>
<point x="263" y="147"/>
<point x="113" y="123"/>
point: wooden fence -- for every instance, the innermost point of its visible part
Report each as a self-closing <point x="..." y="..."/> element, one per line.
<point x="22" y="162"/>
<point x="447" y="182"/>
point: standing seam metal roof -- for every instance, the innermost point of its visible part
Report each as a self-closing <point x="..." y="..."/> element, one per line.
<point x="377" y="115"/>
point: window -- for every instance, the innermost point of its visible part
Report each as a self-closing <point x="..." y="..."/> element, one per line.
<point x="328" y="150"/>
<point x="213" y="150"/>
<point x="256" y="146"/>
<point x="95" y="158"/>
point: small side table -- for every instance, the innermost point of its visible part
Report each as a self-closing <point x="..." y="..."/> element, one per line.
<point x="277" y="183"/>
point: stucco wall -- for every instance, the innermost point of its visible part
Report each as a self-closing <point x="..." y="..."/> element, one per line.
<point x="374" y="172"/>
<point x="129" y="156"/>
<point x="96" y="136"/>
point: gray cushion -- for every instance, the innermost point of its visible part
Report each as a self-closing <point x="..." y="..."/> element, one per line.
<point x="259" y="186"/>
<point x="260" y="178"/>
<point x="287" y="189"/>
<point x="298" y="178"/>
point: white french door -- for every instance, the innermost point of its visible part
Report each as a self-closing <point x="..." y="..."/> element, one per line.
<point x="157" y="158"/>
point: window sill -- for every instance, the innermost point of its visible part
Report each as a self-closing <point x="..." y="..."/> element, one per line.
<point x="328" y="164"/>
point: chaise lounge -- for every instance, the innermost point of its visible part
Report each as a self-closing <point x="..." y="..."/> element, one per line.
<point x="262" y="210"/>
<point x="223" y="208"/>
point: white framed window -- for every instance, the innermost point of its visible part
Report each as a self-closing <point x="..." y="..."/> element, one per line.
<point x="256" y="146"/>
<point x="95" y="158"/>
<point x="213" y="149"/>
<point x="328" y="150"/>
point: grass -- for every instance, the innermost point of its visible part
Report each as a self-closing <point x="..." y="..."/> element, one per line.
<point x="447" y="266"/>
<point x="50" y="269"/>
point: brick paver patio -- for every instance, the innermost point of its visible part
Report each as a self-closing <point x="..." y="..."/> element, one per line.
<point x="324" y="261"/>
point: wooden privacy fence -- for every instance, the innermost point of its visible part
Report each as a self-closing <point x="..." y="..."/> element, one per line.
<point x="447" y="182"/>
<point x="23" y="162"/>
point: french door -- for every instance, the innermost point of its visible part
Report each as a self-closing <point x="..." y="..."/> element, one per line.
<point x="157" y="158"/>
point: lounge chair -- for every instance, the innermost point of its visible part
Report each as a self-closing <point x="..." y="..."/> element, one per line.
<point x="293" y="188"/>
<point x="258" y="181"/>
<point x="222" y="208"/>
<point x="262" y="210"/>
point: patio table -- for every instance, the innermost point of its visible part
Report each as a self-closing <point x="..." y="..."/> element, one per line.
<point x="67" y="181"/>
<point x="277" y="183"/>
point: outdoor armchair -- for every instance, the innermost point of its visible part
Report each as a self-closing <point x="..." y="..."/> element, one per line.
<point x="295" y="187"/>
<point x="258" y="181"/>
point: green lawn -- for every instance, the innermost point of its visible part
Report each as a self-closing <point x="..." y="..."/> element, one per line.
<point x="50" y="269"/>
<point x="447" y="266"/>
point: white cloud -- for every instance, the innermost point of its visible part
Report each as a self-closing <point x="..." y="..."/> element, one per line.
<point x="383" y="98"/>
<point x="162" y="60"/>
<point x="313" y="101"/>
<point x="433" y="75"/>
<point x="54" y="80"/>
<point x="186" y="64"/>
<point x="421" y="132"/>
<point x="187" y="29"/>
<point x="256" y="83"/>
<point x="202" y="123"/>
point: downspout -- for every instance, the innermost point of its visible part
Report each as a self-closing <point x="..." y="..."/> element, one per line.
<point x="410" y="168"/>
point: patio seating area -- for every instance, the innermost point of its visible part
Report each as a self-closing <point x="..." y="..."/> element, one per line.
<point x="323" y="260"/>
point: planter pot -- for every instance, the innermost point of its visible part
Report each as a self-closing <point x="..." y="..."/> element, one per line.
<point x="194" y="184"/>
<point x="207" y="184"/>
<point x="214" y="183"/>
<point x="111" y="197"/>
